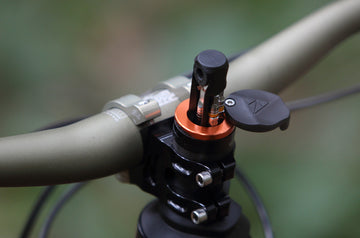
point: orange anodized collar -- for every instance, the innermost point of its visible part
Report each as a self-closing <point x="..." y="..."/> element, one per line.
<point x="200" y="132"/>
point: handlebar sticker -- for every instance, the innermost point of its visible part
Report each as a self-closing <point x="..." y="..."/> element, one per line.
<point x="163" y="97"/>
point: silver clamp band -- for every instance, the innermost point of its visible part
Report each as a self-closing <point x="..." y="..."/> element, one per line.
<point x="139" y="110"/>
<point x="148" y="107"/>
<point x="179" y="85"/>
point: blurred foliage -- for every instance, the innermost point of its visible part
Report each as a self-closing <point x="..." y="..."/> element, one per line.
<point x="65" y="59"/>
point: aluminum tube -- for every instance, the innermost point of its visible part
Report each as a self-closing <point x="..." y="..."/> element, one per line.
<point x="109" y="142"/>
<point x="285" y="57"/>
<point x="95" y="147"/>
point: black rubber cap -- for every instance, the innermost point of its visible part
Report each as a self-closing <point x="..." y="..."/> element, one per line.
<point x="210" y="68"/>
<point x="256" y="110"/>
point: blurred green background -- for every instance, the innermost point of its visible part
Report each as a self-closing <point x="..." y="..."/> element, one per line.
<point x="64" y="59"/>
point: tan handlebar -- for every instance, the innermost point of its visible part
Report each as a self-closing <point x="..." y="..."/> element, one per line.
<point x="110" y="142"/>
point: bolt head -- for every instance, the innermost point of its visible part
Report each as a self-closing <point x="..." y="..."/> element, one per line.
<point x="204" y="178"/>
<point x="230" y="102"/>
<point x="144" y="102"/>
<point x="199" y="216"/>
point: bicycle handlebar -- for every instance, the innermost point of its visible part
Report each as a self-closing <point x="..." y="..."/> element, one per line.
<point x="286" y="56"/>
<point x="110" y="142"/>
<point x="85" y="150"/>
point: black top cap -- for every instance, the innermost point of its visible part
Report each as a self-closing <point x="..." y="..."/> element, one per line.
<point x="210" y="68"/>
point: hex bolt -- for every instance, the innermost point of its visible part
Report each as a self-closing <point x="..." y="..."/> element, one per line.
<point x="199" y="216"/>
<point x="143" y="102"/>
<point x="230" y="102"/>
<point x="204" y="179"/>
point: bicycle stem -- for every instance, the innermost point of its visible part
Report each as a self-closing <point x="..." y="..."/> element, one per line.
<point x="110" y="142"/>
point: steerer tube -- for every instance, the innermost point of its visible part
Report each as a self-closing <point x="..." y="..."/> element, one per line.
<point x="207" y="88"/>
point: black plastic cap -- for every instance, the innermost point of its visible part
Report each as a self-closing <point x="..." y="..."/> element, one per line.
<point x="257" y="111"/>
<point x="210" y="68"/>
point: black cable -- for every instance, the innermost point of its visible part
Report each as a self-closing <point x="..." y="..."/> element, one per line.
<point x="322" y="98"/>
<point x="47" y="191"/>
<point x="65" y="197"/>
<point x="45" y="194"/>
<point x="259" y="205"/>
<point x="293" y="106"/>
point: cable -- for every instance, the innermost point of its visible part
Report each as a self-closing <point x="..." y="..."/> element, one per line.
<point x="47" y="191"/>
<point x="65" y="197"/>
<point x="259" y="205"/>
<point x="323" y="98"/>
<point x="293" y="106"/>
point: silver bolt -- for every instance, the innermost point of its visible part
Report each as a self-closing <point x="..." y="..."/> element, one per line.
<point x="203" y="179"/>
<point x="230" y="102"/>
<point x="143" y="102"/>
<point x="199" y="216"/>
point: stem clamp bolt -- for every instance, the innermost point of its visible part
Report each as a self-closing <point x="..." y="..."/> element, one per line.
<point x="204" y="179"/>
<point x="199" y="216"/>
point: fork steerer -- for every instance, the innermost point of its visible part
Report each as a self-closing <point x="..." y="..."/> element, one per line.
<point x="207" y="88"/>
<point x="189" y="161"/>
